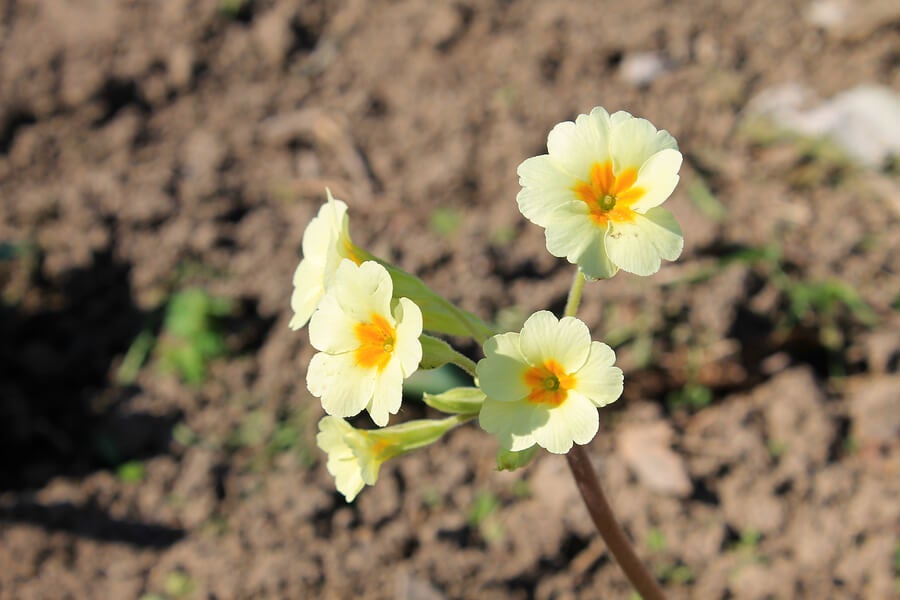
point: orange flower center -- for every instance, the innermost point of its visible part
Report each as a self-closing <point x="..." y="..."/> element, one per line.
<point x="549" y="383"/>
<point x="376" y="342"/>
<point x="609" y="197"/>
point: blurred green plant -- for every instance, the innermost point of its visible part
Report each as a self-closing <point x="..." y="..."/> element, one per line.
<point x="776" y="448"/>
<point x="445" y="221"/>
<point x="693" y="395"/>
<point x="503" y="235"/>
<point x="131" y="472"/>
<point x="817" y="160"/>
<point x="676" y="573"/>
<point x="821" y="304"/>
<point x="179" y="584"/>
<point x="191" y="335"/>
<point x="482" y="516"/>
<point x="233" y="9"/>
<point x="705" y="201"/>
<point x="266" y="436"/>
<point x="656" y="540"/>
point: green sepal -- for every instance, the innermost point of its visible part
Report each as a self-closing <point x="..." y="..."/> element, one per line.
<point x="438" y="313"/>
<point x="507" y="460"/>
<point x="405" y="437"/>
<point x="435" y="352"/>
<point x="458" y="401"/>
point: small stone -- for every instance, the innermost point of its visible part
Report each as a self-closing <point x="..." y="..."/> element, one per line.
<point x="646" y="449"/>
<point x="411" y="587"/>
<point x="641" y="68"/>
<point x="181" y="67"/>
<point x="864" y="121"/>
<point x="882" y="349"/>
<point x="873" y="409"/>
<point x="827" y="14"/>
<point x="272" y="34"/>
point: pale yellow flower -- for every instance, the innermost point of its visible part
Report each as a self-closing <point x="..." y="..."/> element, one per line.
<point x="326" y="241"/>
<point x="544" y="385"/>
<point x="355" y="455"/>
<point x="368" y="343"/>
<point x="597" y="194"/>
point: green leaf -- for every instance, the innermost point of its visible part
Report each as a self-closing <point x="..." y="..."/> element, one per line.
<point x="438" y="313"/>
<point x="434" y="381"/>
<point x="435" y="352"/>
<point x="507" y="460"/>
<point x="458" y="401"/>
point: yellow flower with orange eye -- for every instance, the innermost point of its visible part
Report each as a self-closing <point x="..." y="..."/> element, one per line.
<point x="368" y="343"/>
<point x="544" y="384"/>
<point x="355" y="455"/>
<point x="597" y="194"/>
<point x="326" y="241"/>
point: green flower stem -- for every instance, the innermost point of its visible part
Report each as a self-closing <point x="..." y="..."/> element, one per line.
<point x="574" y="294"/>
<point x="465" y="363"/>
<point x="595" y="500"/>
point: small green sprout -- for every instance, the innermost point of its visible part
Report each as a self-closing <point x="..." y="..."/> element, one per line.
<point x="131" y="472"/>
<point x="445" y="221"/>
<point x="776" y="448"/>
<point x="482" y="515"/>
<point x="656" y="540"/>
<point x="693" y="396"/>
<point x="191" y="336"/>
<point x="179" y="584"/>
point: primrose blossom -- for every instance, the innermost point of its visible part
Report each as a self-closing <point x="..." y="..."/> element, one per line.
<point x="544" y="384"/>
<point x="598" y="192"/>
<point x="326" y="242"/>
<point x="368" y="343"/>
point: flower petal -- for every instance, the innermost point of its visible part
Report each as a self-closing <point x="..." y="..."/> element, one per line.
<point x="593" y="260"/>
<point x="323" y="230"/>
<point x="658" y="178"/>
<point x="501" y="372"/>
<point x="363" y="289"/>
<point x="345" y="389"/>
<point x="330" y="329"/>
<point x="575" y="420"/>
<point x="545" y="188"/>
<point x="513" y="423"/>
<point x="566" y="341"/>
<point x="633" y="141"/>
<point x="308" y="291"/>
<point x="637" y="247"/>
<point x="387" y="395"/>
<point x="574" y="148"/>
<point x="666" y="232"/>
<point x="342" y="463"/>
<point x="569" y="231"/>
<point x="407" y="347"/>
<point x="598" y="380"/>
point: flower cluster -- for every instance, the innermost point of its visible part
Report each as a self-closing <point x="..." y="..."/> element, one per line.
<point x="597" y="193"/>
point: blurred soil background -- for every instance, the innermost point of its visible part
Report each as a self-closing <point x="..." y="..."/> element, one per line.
<point x="160" y="160"/>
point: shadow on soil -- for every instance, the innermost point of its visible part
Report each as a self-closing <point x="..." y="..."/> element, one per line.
<point x="58" y="416"/>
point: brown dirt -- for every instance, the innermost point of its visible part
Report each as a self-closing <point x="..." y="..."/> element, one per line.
<point x="149" y="146"/>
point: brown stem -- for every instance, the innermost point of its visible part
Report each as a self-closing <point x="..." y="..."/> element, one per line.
<point x="609" y="528"/>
